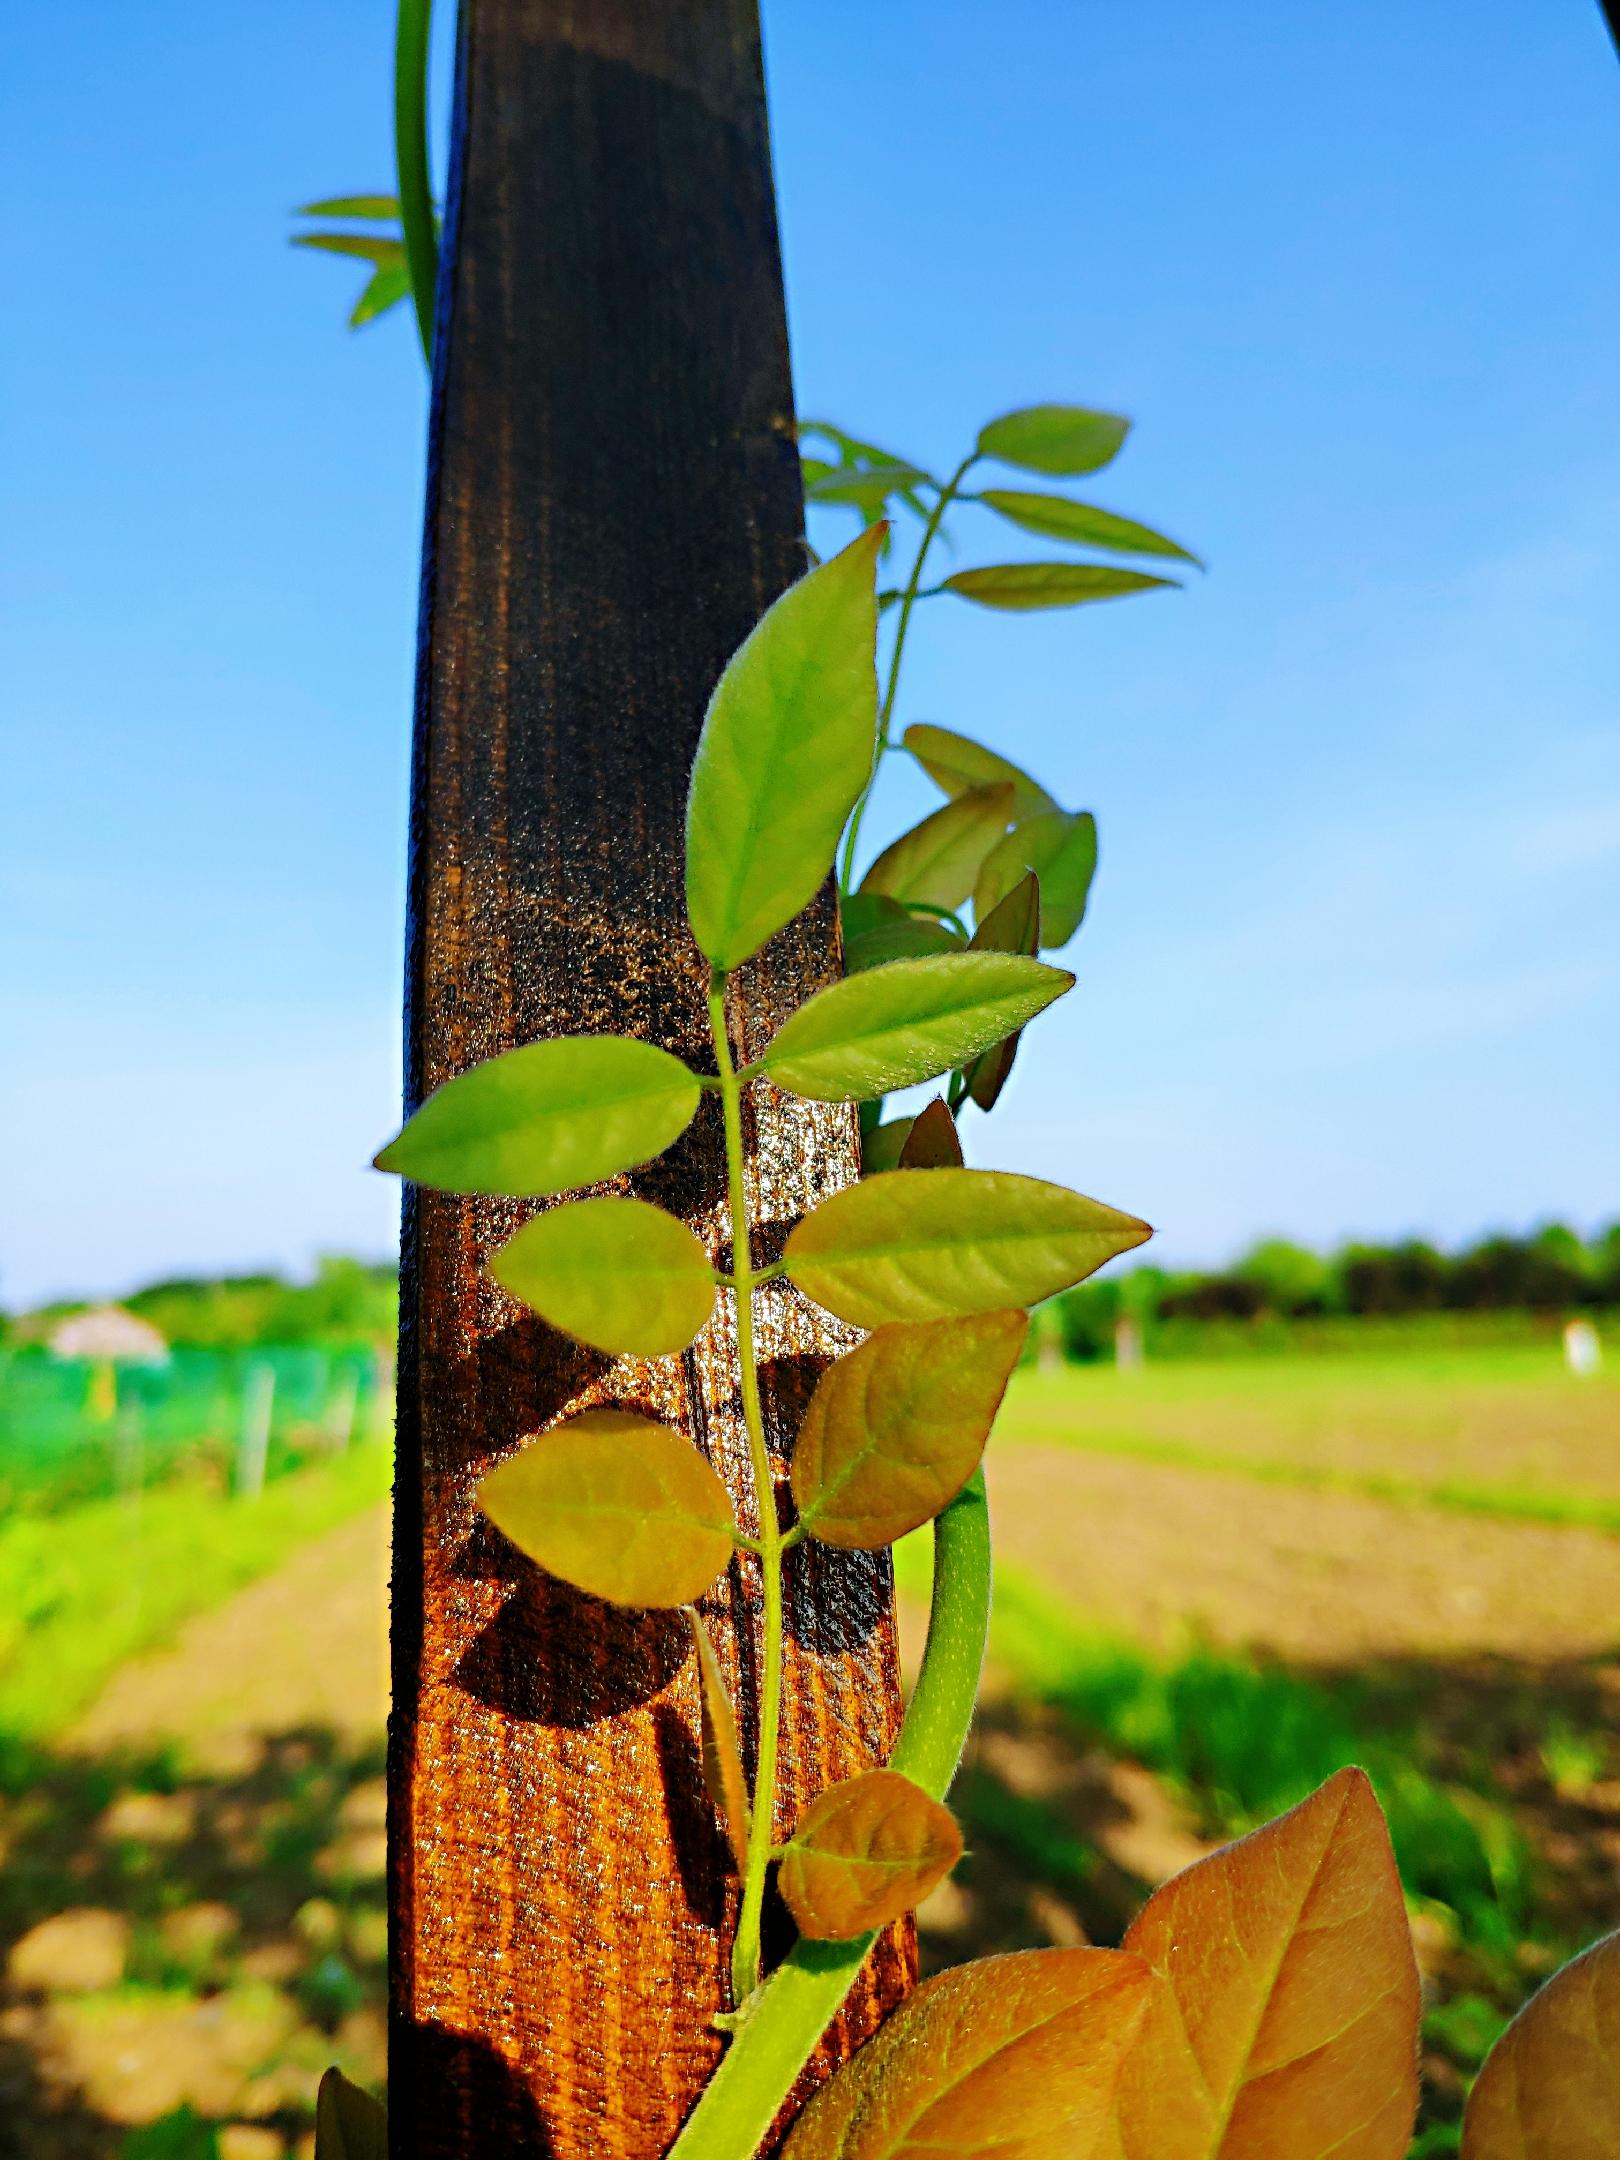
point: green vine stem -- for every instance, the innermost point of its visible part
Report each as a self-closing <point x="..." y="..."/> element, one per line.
<point x="908" y="600"/>
<point x="411" y="160"/>
<point x="777" y="2034"/>
<point x="745" y="1948"/>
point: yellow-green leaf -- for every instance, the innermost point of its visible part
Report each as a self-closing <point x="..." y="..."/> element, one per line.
<point x="1018" y="587"/>
<point x="1012" y="925"/>
<point x="864" y="1852"/>
<point x="787" y="746"/>
<point x="937" y="861"/>
<point x="1287" y="2020"/>
<point x="1055" y="517"/>
<point x="1009" y="2058"/>
<point x="883" y="1145"/>
<point x="356" y="206"/>
<point x="878" y="930"/>
<point x="349" y="2123"/>
<point x="933" y="1142"/>
<point x="957" y="764"/>
<point x="1550" y="2088"/>
<point x="1062" y="852"/>
<point x="893" y="1026"/>
<point x="547" y="1118"/>
<point x="621" y="1275"/>
<point x="617" y="1506"/>
<point x="722" y="1757"/>
<point x="1062" y="440"/>
<point x="376" y="248"/>
<point x="896" y="1426"/>
<point x="924" y="1244"/>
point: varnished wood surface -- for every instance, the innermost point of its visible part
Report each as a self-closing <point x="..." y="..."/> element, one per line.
<point x="613" y="498"/>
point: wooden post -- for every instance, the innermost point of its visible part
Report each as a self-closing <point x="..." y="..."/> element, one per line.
<point x="613" y="500"/>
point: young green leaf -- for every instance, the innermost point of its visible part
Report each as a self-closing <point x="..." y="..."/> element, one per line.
<point x="384" y="289"/>
<point x="722" y="1757"/>
<point x="937" y="861"/>
<point x="616" y="1505"/>
<point x="1287" y="2019"/>
<point x="1018" y="587"/>
<point x="864" y="1852"/>
<point x="1012" y="925"/>
<point x="1055" y="517"/>
<point x="547" y="1118"/>
<point x="618" y="1274"/>
<point x="1063" y="440"/>
<point x="896" y="1426"/>
<point x="865" y="488"/>
<point x="356" y="206"/>
<point x="878" y="930"/>
<point x="883" y="1145"/>
<point x="933" y="1142"/>
<point x="1009" y="2058"/>
<point x="349" y="2123"/>
<point x="922" y="1245"/>
<point x="893" y="1026"/>
<point x="1550" y="2088"/>
<point x="787" y="746"/>
<point x="957" y="763"/>
<point x="1061" y="850"/>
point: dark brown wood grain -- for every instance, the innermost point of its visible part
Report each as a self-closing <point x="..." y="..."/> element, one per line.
<point x="613" y="499"/>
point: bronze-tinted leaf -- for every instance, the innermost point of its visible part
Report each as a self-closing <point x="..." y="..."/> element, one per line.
<point x="1287" y="2026"/>
<point x="621" y="1275"/>
<point x="1012" y="925"/>
<point x="1018" y="587"/>
<point x="1010" y="2058"/>
<point x="933" y="1142"/>
<point x="865" y="1852"/>
<point x="1550" y="2088"/>
<point x="616" y="1505"/>
<point x="921" y="1245"/>
<point x="938" y="860"/>
<point x="722" y="1757"/>
<point x="349" y="2123"/>
<point x="1062" y="852"/>
<point x="896" y="1426"/>
<point x="957" y="764"/>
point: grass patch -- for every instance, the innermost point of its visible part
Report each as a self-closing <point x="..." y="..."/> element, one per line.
<point x="83" y="1591"/>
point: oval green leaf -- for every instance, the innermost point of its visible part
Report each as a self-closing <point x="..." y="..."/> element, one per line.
<point x="1012" y="925"/>
<point x="933" y="1142"/>
<point x="722" y="1757"/>
<point x="787" y="746"/>
<point x="937" y="861"/>
<point x="883" y="1145"/>
<point x="1018" y="587"/>
<point x="896" y="1427"/>
<point x="1061" y="850"/>
<point x="349" y="2123"/>
<point x="1551" y="2084"/>
<point x="864" y="1852"/>
<point x="896" y="1025"/>
<point x="621" y="1275"/>
<point x="957" y="763"/>
<point x="1062" y="440"/>
<point x="923" y="1244"/>
<point x="1009" y="2058"/>
<point x="1055" y="517"/>
<point x="616" y="1505"/>
<point x="547" y="1118"/>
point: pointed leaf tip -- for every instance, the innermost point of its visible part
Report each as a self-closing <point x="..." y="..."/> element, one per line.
<point x="933" y="1142"/>
<point x="619" y="1506"/>
<point x="349" y="2123"/>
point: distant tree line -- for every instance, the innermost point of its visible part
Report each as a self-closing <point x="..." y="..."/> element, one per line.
<point x="348" y="1300"/>
<point x="1553" y="1270"/>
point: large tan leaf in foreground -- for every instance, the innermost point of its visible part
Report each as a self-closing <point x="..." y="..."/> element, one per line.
<point x="1550" y="2088"/>
<point x="1287" y="2025"/>
<point x="1010" y="2058"/>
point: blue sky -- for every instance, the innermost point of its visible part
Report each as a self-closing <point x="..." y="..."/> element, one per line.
<point x="1352" y="963"/>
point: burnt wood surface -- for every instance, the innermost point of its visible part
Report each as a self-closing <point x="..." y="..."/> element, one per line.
<point x="613" y="498"/>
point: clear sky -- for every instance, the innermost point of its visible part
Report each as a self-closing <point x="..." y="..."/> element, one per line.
<point x="1352" y="964"/>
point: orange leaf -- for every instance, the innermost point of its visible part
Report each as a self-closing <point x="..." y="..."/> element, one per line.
<point x="866" y="1851"/>
<point x="722" y="1758"/>
<point x="1287" y="2025"/>
<point x="1010" y="2058"/>
<point x="931" y="1143"/>
<point x="1550" y="2088"/>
